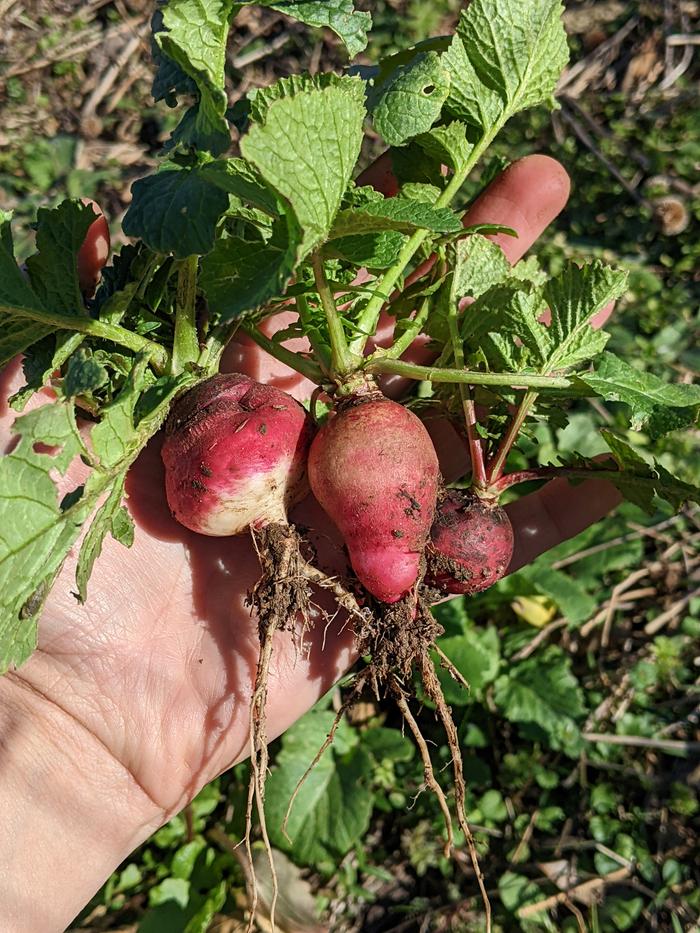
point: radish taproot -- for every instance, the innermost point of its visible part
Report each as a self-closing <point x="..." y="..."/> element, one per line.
<point x="235" y="456"/>
<point x="471" y="544"/>
<point x="374" y="470"/>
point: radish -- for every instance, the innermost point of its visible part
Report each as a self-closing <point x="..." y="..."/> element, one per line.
<point x="235" y="456"/>
<point x="374" y="470"/>
<point x="471" y="544"/>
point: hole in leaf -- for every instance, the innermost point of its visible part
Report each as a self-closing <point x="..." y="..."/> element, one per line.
<point x="40" y="448"/>
<point x="72" y="497"/>
<point x="428" y="89"/>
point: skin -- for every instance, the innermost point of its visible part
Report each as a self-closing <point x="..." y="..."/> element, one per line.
<point x="136" y="700"/>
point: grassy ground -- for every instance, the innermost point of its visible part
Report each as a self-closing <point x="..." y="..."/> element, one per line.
<point x="581" y="730"/>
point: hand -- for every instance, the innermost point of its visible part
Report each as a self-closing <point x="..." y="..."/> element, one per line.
<point x="137" y="699"/>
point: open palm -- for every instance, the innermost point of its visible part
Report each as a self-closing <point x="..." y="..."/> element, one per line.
<point x="158" y="665"/>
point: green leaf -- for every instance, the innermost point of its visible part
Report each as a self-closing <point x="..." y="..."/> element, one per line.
<point x="447" y="144"/>
<point x="42" y="360"/>
<point x="516" y="891"/>
<point x="213" y="902"/>
<point x="170" y="889"/>
<point x="471" y="101"/>
<point x="306" y="151"/>
<point x="53" y="269"/>
<point x="479" y="265"/>
<point x="542" y="690"/>
<point x="648" y="396"/>
<point x="258" y="99"/>
<point x="407" y="98"/>
<point x="35" y="533"/>
<point x="193" y="37"/>
<point x="507" y="55"/>
<point x="387" y="744"/>
<point x="110" y="517"/>
<point x="349" y="24"/>
<point x="574" y="296"/>
<point x="492" y="806"/>
<point x="476" y="655"/>
<point x="503" y="324"/>
<point x="574" y="602"/>
<point x="83" y="374"/>
<point x="331" y="812"/>
<point x="176" y="211"/>
<point x="367" y="250"/>
<point x="640" y="481"/>
<point x="116" y="436"/>
<point x="241" y="275"/>
<point x="16" y="334"/>
<point x="238" y="178"/>
<point x="398" y="213"/>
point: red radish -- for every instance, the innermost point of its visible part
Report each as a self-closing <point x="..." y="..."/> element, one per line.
<point x="235" y="455"/>
<point x="374" y="470"/>
<point x="471" y="544"/>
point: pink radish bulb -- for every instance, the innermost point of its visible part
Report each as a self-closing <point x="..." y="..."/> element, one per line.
<point x="235" y="455"/>
<point x="374" y="470"/>
<point x="471" y="544"/>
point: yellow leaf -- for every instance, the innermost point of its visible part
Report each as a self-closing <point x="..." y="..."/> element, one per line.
<point x="535" y="610"/>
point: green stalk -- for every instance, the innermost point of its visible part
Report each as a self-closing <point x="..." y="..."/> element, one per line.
<point x="474" y="377"/>
<point x="217" y="341"/>
<point x="406" y="338"/>
<point x="543" y="473"/>
<point x="342" y="360"/>
<point x="495" y="467"/>
<point x="311" y="332"/>
<point x="157" y="354"/>
<point x="476" y="453"/>
<point x="186" y="340"/>
<point x="367" y="323"/>
<point x="295" y="361"/>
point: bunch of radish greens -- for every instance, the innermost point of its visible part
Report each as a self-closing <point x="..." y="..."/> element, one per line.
<point x="221" y="243"/>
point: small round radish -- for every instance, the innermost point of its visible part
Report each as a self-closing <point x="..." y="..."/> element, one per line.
<point x="374" y="470"/>
<point x="471" y="544"/>
<point x="235" y="455"/>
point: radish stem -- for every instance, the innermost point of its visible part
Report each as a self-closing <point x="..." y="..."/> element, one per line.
<point x="186" y="340"/>
<point x="495" y="467"/>
<point x="367" y="323"/>
<point x="342" y="360"/>
<point x="294" y="360"/>
<point x="382" y="365"/>
<point x="476" y="453"/>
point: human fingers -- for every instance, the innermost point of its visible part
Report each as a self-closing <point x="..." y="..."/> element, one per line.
<point x="380" y="176"/>
<point x="94" y="252"/>
<point x="556" y="512"/>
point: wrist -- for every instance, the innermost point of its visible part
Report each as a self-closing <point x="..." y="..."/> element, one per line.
<point x="69" y="812"/>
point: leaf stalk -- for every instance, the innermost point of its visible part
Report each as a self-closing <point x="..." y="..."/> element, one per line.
<point x="343" y="361"/>
<point x="369" y="318"/>
<point x="157" y="354"/>
<point x="186" y="340"/>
